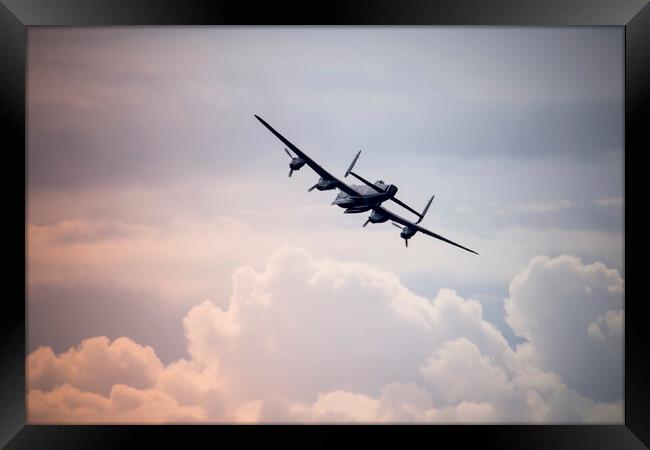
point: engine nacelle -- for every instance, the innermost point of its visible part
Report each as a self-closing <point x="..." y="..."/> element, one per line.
<point x="377" y="217"/>
<point x="296" y="163"/>
<point x="407" y="232"/>
<point x="325" y="185"/>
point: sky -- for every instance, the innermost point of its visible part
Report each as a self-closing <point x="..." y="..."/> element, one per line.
<point x="175" y="273"/>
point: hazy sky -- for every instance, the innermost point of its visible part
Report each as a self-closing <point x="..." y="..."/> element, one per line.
<point x="176" y="273"/>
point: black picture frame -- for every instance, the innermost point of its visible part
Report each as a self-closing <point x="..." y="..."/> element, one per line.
<point x="634" y="15"/>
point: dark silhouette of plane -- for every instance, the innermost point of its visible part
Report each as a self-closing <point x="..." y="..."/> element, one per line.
<point x="360" y="198"/>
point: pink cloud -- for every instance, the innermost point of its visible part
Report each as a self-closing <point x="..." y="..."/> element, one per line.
<point x="319" y="340"/>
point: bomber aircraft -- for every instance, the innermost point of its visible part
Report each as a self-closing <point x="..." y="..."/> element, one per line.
<point x="360" y="198"/>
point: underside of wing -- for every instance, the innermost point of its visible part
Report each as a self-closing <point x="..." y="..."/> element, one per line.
<point x="392" y="216"/>
<point x="395" y="218"/>
<point x="437" y="236"/>
<point x="310" y="162"/>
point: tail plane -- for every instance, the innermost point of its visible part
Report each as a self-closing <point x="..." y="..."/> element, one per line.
<point x="354" y="161"/>
<point x="426" y="208"/>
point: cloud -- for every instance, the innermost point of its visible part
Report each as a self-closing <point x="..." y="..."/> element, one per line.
<point x="306" y="339"/>
<point x="112" y="381"/>
<point x="116" y="210"/>
<point x="562" y="307"/>
<point x="346" y="322"/>
<point x="79" y="231"/>
<point x="95" y="365"/>
<point x="547" y="206"/>
<point x="458" y="372"/>
<point x="608" y="327"/>
<point x="67" y="404"/>
<point x="610" y="201"/>
<point x="397" y="403"/>
<point x="110" y="106"/>
<point x="189" y="382"/>
<point x="173" y="259"/>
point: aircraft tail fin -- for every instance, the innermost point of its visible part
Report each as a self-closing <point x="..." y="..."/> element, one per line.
<point x="354" y="161"/>
<point x="424" y="211"/>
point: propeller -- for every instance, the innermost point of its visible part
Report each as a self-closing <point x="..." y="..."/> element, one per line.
<point x="367" y="222"/>
<point x="312" y="188"/>
<point x="406" y="241"/>
<point x="290" y="155"/>
<point x="290" y="172"/>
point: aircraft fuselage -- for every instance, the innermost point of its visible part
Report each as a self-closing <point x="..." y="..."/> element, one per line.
<point x="366" y="199"/>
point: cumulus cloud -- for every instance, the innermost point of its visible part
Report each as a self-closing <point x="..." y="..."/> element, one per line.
<point x="95" y="365"/>
<point x="320" y="340"/>
<point x="608" y="327"/>
<point x="124" y="404"/>
<point x="458" y="372"/>
<point x="117" y="381"/>
<point x="563" y="308"/>
<point x="324" y="324"/>
<point x="397" y="403"/>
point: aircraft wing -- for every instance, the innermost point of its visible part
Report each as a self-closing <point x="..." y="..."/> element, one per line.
<point x="310" y="162"/>
<point x="394" y="217"/>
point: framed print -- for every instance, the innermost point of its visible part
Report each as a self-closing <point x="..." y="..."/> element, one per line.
<point x="313" y="224"/>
